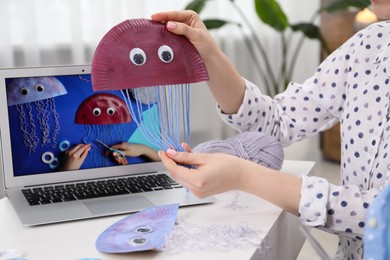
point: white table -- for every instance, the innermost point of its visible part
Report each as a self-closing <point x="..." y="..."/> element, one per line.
<point x="76" y="240"/>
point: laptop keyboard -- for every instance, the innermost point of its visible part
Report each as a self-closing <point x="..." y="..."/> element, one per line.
<point x="99" y="188"/>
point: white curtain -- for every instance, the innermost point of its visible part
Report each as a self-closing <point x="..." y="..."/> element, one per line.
<point x="58" y="32"/>
<point x="41" y="32"/>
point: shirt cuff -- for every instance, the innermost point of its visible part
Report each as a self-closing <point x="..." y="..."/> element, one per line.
<point x="314" y="199"/>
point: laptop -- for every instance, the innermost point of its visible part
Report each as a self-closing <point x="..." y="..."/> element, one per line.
<point x="45" y="113"/>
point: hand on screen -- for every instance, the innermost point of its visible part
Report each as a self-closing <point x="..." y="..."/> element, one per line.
<point x="136" y="150"/>
<point x="75" y="156"/>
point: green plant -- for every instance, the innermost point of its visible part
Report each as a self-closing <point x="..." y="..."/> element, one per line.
<point x="270" y="13"/>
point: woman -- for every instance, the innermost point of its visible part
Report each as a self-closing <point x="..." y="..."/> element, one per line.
<point x="352" y="86"/>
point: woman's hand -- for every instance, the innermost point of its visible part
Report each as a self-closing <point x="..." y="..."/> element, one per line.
<point x="75" y="156"/>
<point x="217" y="173"/>
<point x="136" y="150"/>
<point x="225" y="82"/>
<point x="189" y="24"/>
<point x="210" y="176"/>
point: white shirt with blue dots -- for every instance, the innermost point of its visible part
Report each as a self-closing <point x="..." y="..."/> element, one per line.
<point x="352" y="86"/>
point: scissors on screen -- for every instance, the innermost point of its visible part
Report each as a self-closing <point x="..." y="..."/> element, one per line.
<point x="120" y="157"/>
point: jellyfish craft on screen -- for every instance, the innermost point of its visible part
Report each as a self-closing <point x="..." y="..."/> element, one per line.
<point x="103" y="115"/>
<point x="39" y="125"/>
<point x="153" y="68"/>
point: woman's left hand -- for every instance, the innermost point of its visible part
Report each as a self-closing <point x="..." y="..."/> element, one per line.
<point x="214" y="173"/>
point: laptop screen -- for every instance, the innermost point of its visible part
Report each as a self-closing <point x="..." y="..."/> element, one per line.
<point x="58" y="123"/>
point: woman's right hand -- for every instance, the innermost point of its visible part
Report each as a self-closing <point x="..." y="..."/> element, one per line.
<point x="189" y="24"/>
<point x="135" y="150"/>
<point x="225" y="82"/>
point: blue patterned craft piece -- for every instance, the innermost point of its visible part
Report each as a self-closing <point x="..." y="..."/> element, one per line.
<point x="142" y="231"/>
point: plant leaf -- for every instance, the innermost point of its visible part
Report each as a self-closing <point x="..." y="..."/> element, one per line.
<point x="311" y="31"/>
<point x="339" y="5"/>
<point x="196" y="5"/>
<point x="214" y="23"/>
<point x="308" y="29"/>
<point x="270" y="12"/>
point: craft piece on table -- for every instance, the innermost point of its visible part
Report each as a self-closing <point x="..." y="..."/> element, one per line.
<point x="145" y="230"/>
<point x="153" y="68"/>
<point x="377" y="233"/>
<point x="27" y="93"/>
<point x="253" y="146"/>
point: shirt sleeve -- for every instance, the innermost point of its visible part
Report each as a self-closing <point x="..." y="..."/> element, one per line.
<point x="301" y="111"/>
<point x="291" y="116"/>
<point x="335" y="209"/>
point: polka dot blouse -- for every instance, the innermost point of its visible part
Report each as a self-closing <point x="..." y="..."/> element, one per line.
<point x="352" y="86"/>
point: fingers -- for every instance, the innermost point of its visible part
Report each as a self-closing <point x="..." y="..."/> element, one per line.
<point x="191" y="178"/>
<point x="75" y="156"/>
<point x="85" y="151"/>
<point x="179" y="16"/>
<point x="129" y="149"/>
<point x="124" y="161"/>
<point x="120" y="160"/>
<point x="122" y="146"/>
<point x="116" y="156"/>
<point x="177" y="172"/>
<point x="80" y="150"/>
<point x="171" y="161"/>
<point x="186" y="23"/>
<point x="186" y="147"/>
<point x="125" y="148"/>
<point x="185" y="157"/>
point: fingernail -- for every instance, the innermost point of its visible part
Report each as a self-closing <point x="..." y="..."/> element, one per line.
<point x="159" y="153"/>
<point x="171" y="152"/>
<point x="171" y="26"/>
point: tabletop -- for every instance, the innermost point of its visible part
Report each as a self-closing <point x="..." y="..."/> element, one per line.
<point x="268" y="231"/>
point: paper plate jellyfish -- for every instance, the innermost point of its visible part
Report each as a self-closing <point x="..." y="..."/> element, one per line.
<point x="103" y="115"/>
<point x="34" y="100"/>
<point x="141" y="231"/>
<point x="153" y="68"/>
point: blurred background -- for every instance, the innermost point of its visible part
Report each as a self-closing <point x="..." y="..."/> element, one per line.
<point x="56" y="32"/>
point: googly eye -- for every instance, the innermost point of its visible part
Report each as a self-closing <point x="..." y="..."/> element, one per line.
<point x="24" y="91"/>
<point x="39" y="87"/>
<point x="165" y="53"/>
<point x="137" y="56"/>
<point x="96" y="111"/>
<point x="144" y="229"/>
<point x="110" y="111"/>
<point x="138" y="241"/>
